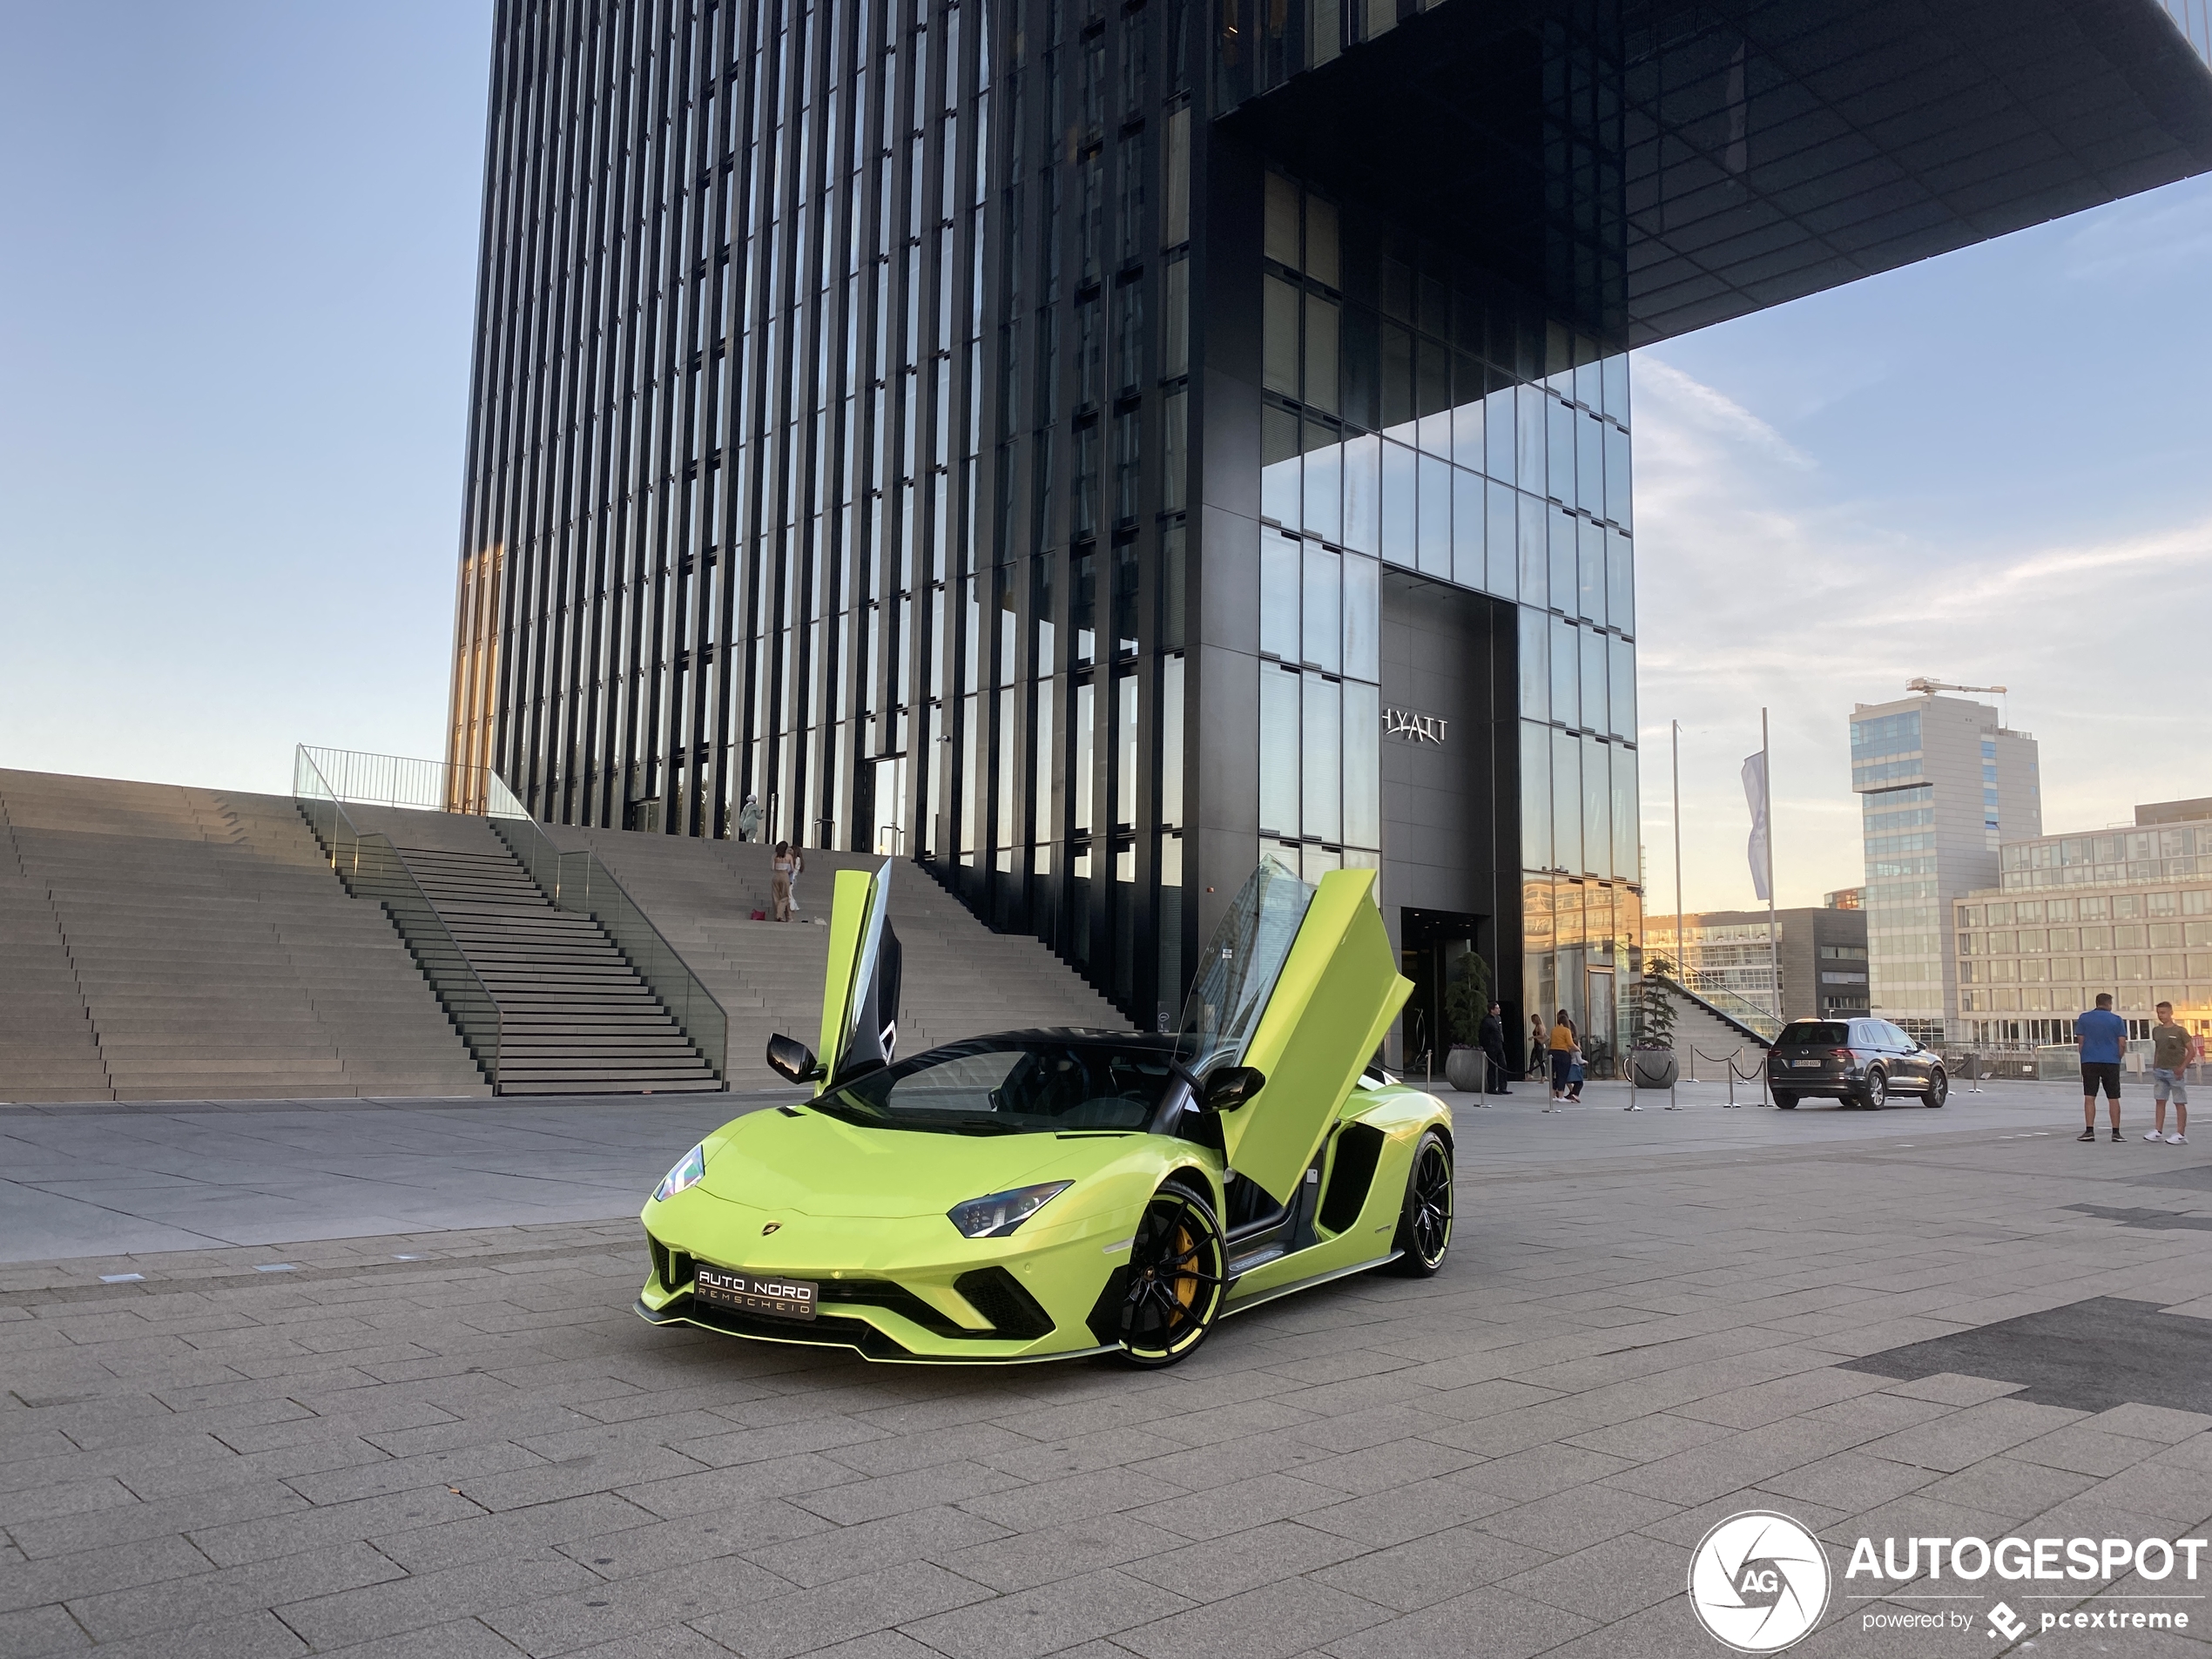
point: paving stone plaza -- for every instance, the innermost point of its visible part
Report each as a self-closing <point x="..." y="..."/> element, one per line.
<point x="323" y="1390"/>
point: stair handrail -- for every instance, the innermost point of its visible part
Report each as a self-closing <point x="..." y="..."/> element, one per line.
<point x="1732" y="1006"/>
<point x="370" y="866"/>
<point x="580" y="883"/>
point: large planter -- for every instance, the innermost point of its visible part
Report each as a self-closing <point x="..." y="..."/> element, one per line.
<point x="1463" y="1071"/>
<point x="1654" y="1068"/>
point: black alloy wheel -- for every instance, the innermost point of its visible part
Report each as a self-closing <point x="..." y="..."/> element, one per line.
<point x="1785" y="1100"/>
<point x="1424" y="1220"/>
<point x="1876" y="1092"/>
<point x="1939" y="1087"/>
<point x="1176" y="1279"/>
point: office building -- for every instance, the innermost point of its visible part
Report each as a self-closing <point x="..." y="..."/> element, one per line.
<point x="1822" y="950"/>
<point x="1845" y="899"/>
<point x="1087" y="447"/>
<point x="1940" y="783"/>
<point x="2127" y="910"/>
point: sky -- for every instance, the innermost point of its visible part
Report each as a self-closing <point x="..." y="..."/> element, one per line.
<point x="236" y="299"/>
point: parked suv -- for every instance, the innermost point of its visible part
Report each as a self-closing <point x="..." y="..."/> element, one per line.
<point x="1861" y="1062"/>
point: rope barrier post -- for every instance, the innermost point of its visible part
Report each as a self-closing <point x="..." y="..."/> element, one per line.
<point x="1765" y="1093"/>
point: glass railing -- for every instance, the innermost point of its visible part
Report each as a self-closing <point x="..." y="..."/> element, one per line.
<point x="1707" y="989"/>
<point x="578" y="882"/>
<point x="371" y="868"/>
<point x="397" y="780"/>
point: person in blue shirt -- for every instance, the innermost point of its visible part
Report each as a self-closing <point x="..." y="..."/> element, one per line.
<point x="2102" y="1037"/>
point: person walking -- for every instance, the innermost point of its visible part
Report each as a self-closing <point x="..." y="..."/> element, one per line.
<point x="749" y="819"/>
<point x="2102" y="1037"/>
<point x="798" y="863"/>
<point x="1494" y="1052"/>
<point x="2174" y="1047"/>
<point x="1562" y="1056"/>
<point x="1576" y="1068"/>
<point x="779" y="888"/>
<point x="1537" y="1043"/>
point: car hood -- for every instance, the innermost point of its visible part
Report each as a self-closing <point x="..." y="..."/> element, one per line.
<point x="813" y="1164"/>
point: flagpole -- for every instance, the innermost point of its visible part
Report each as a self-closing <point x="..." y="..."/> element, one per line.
<point x="1680" y="961"/>
<point x="1766" y="781"/>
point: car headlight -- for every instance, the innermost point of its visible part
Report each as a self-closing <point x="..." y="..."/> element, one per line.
<point x="1000" y="1213"/>
<point x="690" y="1169"/>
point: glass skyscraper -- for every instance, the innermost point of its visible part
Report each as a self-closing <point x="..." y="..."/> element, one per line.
<point x="1942" y="783"/>
<point x="1090" y="447"/>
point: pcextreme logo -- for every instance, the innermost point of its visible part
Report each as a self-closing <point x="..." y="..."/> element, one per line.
<point x="1758" y="1582"/>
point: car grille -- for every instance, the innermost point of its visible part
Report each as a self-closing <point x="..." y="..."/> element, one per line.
<point x="672" y="1267"/>
<point x="1015" y="1316"/>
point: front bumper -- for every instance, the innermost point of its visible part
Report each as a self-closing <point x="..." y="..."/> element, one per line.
<point x="897" y="1292"/>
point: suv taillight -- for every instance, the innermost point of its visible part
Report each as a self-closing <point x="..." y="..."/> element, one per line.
<point x="1843" y="1055"/>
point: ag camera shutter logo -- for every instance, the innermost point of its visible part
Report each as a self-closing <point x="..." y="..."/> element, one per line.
<point x="1758" y="1582"/>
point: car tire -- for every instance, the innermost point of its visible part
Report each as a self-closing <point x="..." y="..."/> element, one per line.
<point x="1787" y="1101"/>
<point x="1424" y="1217"/>
<point x="1939" y="1087"/>
<point x="1874" y="1094"/>
<point x="1177" y="1278"/>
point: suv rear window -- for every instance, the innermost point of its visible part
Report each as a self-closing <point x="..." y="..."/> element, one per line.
<point x="1814" y="1034"/>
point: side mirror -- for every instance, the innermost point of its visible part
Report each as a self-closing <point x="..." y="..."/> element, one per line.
<point x="789" y="1057"/>
<point x="1230" y="1087"/>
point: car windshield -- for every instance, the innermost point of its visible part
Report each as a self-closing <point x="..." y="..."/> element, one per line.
<point x="1814" y="1034"/>
<point x="1000" y="1086"/>
<point x="1237" y="973"/>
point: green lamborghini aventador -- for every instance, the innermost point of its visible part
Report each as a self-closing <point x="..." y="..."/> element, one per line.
<point x="1042" y="1195"/>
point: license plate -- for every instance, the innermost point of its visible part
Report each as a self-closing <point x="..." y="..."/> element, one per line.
<point x="1806" y="1065"/>
<point x="769" y="1293"/>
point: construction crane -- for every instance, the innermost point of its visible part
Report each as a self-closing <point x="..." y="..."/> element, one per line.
<point x="1928" y="687"/>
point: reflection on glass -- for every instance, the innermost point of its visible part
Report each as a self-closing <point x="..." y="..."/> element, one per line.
<point x="1597" y="807"/>
<point x="1321" y="222"/>
<point x="1435" y="548"/>
<point x="1535" y="665"/>
<point x="1498" y="438"/>
<point x="1279" y="336"/>
<point x="1466" y="433"/>
<point x="1323" y="511"/>
<point x="1595" y="708"/>
<point x="1321" y="353"/>
<point x="1626" y="862"/>
<point x="1239" y="967"/>
<point x="1085" y="731"/>
<point x="1503" y="559"/>
<point x="1566" y="675"/>
<point x="1323" y="633"/>
<point x="1623" y="688"/>
<point x="1536" y="555"/>
<point x="1466" y="528"/>
<point x="1559" y="424"/>
<point x="1617" y="494"/>
<point x="1279" y="750"/>
<point x="1280" y="580"/>
<point x="1620" y="582"/>
<point x="1559" y="539"/>
<point x="1535" y="796"/>
<point x="1590" y="465"/>
<point x="1362" y="764"/>
<point x="1566" y="800"/>
<point x="1321" y="750"/>
<point x="1278" y="468"/>
<point x="1589" y="542"/>
<point x="1363" y="494"/>
<point x="1398" y="504"/>
<point x="1171" y="741"/>
<point x="1362" y="619"/>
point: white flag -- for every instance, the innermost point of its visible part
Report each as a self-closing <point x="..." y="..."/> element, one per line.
<point x="1755" y="792"/>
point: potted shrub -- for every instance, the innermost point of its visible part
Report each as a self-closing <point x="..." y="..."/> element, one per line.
<point x="1466" y="1000"/>
<point x="1652" y="1061"/>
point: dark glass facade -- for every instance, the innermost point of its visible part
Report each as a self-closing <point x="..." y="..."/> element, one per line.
<point x="1086" y="447"/>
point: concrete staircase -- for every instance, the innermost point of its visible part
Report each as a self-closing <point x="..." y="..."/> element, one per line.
<point x="160" y="942"/>
<point x="959" y="979"/>
<point x="576" y="1018"/>
<point x="1716" y="1040"/>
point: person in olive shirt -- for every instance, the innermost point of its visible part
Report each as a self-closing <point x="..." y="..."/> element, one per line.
<point x="2173" y="1046"/>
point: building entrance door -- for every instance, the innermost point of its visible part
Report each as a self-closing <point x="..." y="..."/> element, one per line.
<point x="1600" y="1052"/>
<point x="1439" y="948"/>
<point x="888" y="810"/>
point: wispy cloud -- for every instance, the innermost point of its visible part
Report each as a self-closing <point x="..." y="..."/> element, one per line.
<point x="1763" y="581"/>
